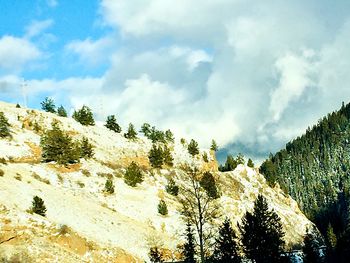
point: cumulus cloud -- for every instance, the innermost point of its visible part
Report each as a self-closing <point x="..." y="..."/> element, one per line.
<point x="35" y="28"/>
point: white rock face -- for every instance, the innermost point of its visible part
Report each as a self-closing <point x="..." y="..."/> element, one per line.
<point x="128" y="219"/>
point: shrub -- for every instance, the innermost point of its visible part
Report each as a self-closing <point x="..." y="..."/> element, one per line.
<point x="208" y="183"/>
<point x="61" y="111"/>
<point x="38" y="206"/>
<point x="4" y="126"/>
<point x="168" y="158"/>
<point x="64" y="229"/>
<point x="109" y="186"/>
<point x="205" y="157"/>
<point x="131" y="133"/>
<point x="58" y="146"/>
<point x="162" y="208"/>
<point x="18" y="106"/>
<point x="155" y="156"/>
<point x="172" y="188"/>
<point x="133" y="175"/>
<point x="193" y="148"/>
<point x="155" y="255"/>
<point x="86" y="148"/>
<point x="182" y="141"/>
<point x="84" y="116"/>
<point x="48" y="105"/>
<point x="250" y="163"/>
<point x="111" y="123"/>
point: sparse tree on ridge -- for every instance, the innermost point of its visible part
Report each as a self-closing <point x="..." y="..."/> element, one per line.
<point x="4" y="126"/>
<point x="131" y="133"/>
<point x="84" y="116"/>
<point x="169" y="136"/>
<point x="61" y="111"/>
<point x="146" y="129"/>
<point x="193" y="148"/>
<point x="38" y="206"/>
<point x="156" y="157"/>
<point x="168" y="158"/>
<point x="250" y="163"/>
<point x="48" y="105"/>
<point x="214" y="147"/>
<point x="111" y="123"/>
<point x="133" y="175"/>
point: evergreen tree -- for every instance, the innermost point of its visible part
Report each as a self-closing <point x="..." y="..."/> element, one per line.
<point x="155" y="255"/>
<point x="240" y="159"/>
<point x="214" y="147"/>
<point x="230" y="164"/>
<point x="250" y="163"/>
<point x="262" y="235"/>
<point x="131" y="134"/>
<point x="156" y="157"/>
<point x="331" y="242"/>
<point x="61" y="111"/>
<point x="38" y="206"/>
<point x="48" y="105"/>
<point x="133" y="175"/>
<point x="167" y="156"/>
<point x="189" y="247"/>
<point x="169" y="136"/>
<point x="208" y="183"/>
<point x="146" y="129"/>
<point x="18" y="106"/>
<point x="58" y="146"/>
<point x="311" y="248"/>
<point x="111" y="123"/>
<point x="162" y="208"/>
<point x="193" y="148"/>
<point x="4" y="126"/>
<point x="205" y="157"/>
<point x="172" y="188"/>
<point x="84" y="116"/>
<point x="109" y="186"/>
<point x="86" y="148"/>
<point x="226" y="247"/>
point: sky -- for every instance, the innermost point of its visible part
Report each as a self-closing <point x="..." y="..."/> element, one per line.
<point x="250" y="74"/>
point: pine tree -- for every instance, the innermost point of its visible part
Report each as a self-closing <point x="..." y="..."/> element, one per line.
<point x="214" y="147"/>
<point x="61" y="111"/>
<point x="208" y="183"/>
<point x="169" y="136"/>
<point x="331" y="242"/>
<point x="262" y="235"/>
<point x="156" y="157"/>
<point x="226" y="248"/>
<point x="172" y="188"/>
<point x="205" y="157"/>
<point x="167" y="156"/>
<point x="48" y="105"/>
<point x="38" y="206"/>
<point x="250" y="163"/>
<point x="84" y="116"/>
<point x="133" y="175"/>
<point x="18" y="106"/>
<point x="109" y="186"/>
<point x="193" y="148"/>
<point x="162" y="208"/>
<point x="4" y="126"/>
<point x="131" y="134"/>
<point x="111" y="123"/>
<point x="146" y="129"/>
<point x="189" y="247"/>
<point x="311" y="249"/>
<point x="86" y="148"/>
<point x="155" y="255"/>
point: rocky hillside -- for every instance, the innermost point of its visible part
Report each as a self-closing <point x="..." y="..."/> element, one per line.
<point x="83" y="223"/>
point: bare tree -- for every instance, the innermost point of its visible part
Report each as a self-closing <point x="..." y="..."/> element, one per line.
<point x="198" y="208"/>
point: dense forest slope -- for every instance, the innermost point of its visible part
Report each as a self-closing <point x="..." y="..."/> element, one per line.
<point x="315" y="168"/>
<point x="83" y="222"/>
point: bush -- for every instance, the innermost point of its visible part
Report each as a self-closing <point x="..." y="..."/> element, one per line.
<point x="61" y="111"/>
<point x="155" y="255"/>
<point x="172" y="188"/>
<point x="111" y="123"/>
<point x="4" y="126"/>
<point x="155" y="156"/>
<point x="2" y="173"/>
<point x="84" y="116"/>
<point x="48" y="105"/>
<point x="131" y="134"/>
<point x="58" y="146"/>
<point x="250" y="163"/>
<point x="133" y="175"/>
<point x="162" y="208"/>
<point x="109" y="186"/>
<point x="193" y="148"/>
<point x="86" y="148"/>
<point x="38" y="206"/>
<point x="18" y="106"/>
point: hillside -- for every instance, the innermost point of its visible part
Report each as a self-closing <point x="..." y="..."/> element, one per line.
<point x="83" y="223"/>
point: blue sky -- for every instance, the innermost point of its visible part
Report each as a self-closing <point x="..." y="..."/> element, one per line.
<point x="250" y="74"/>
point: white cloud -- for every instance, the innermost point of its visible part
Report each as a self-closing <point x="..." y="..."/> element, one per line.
<point x="17" y="52"/>
<point x="52" y="3"/>
<point x="38" y="27"/>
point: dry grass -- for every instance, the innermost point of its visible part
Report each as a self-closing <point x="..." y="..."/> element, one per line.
<point x="18" y="177"/>
<point x="86" y="172"/>
<point x="2" y="172"/>
<point x="43" y="180"/>
<point x="81" y="184"/>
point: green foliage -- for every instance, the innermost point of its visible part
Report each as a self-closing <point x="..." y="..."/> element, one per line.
<point x="131" y="133"/>
<point x="133" y="175"/>
<point x="109" y="186"/>
<point x="111" y="123"/>
<point x="58" y="146"/>
<point x="262" y="234"/>
<point x="169" y="136"/>
<point x="205" y="157"/>
<point x="146" y="129"/>
<point x="168" y="158"/>
<point x="86" y="148"/>
<point x="48" y="105"/>
<point x="156" y="157"/>
<point x="214" y="147"/>
<point x="183" y="141"/>
<point x="189" y="249"/>
<point x="38" y="206"/>
<point x="193" y="148"/>
<point x="84" y="116"/>
<point x="311" y="248"/>
<point x="162" y="208"/>
<point x="172" y="188"/>
<point x="18" y="106"/>
<point x="155" y="255"/>
<point x="61" y="111"/>
<point x="226" y="248"/>
<point x="4" y="126"/>
<point x="208" y="183"/>
<point x="231" y="163"/>
<point x="250" y="163"/>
